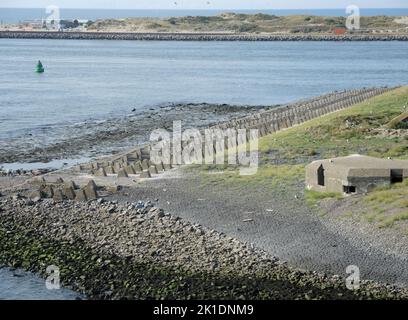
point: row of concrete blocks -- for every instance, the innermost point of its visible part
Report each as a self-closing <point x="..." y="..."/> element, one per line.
<point x="308" y="113"/>
<point x="137" y="161"/>
<point x="265" y="128"/>
<point x="355" y="94"/>
<point x="300" y="110"/>
<point x="314" y="102"/>
<point x="124" y="167"/>
<point x="61" y="190"/>
<point x="302" y="113"/>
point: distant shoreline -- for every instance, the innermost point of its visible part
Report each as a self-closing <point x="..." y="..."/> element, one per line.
<point x="197" y="36"/>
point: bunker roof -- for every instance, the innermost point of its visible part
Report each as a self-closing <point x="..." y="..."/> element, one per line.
<point x="360" y="165"/>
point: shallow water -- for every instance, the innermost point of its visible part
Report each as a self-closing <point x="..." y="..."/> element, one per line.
<point x="20" y="285"/>
<point x="98" y="80"/>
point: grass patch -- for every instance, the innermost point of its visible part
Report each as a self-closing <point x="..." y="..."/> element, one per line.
<point x="391" y="220"/>
<point x="344" y="132"/>
<point x="313" y="197"/>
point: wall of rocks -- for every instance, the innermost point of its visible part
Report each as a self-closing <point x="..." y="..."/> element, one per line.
<point x="137" y="162"/>
<point x="197" y="36"/>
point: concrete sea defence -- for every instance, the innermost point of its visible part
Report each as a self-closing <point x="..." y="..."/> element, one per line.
<point x="197" y="36"/>
<point x="137" y="164"/>
<point x="106" y="176"/>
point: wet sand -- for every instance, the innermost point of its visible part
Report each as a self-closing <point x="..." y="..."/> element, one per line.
<point x="75" y="143"/>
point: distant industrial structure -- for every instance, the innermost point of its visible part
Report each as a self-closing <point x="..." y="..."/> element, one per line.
<point x="58" y="25"/>
<point x="354" y="174"/>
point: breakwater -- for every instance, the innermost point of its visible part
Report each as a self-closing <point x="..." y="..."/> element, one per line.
<point x="198" y="36"/>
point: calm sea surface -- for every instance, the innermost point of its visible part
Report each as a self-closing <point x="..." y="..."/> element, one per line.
<point x="96" y="80"/>
<point x="20" y="285"/>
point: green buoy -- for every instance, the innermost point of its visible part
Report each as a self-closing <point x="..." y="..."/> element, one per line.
<point x="39" y="68"/>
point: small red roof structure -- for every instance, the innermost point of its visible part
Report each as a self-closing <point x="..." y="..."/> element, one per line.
<point x="339" y="31"/>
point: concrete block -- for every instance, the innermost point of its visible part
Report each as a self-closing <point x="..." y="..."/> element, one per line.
<point x="145" y="174"/>
<point x="36" y="194"/>
<point x="80" y="195"/>
<point x="110" y="170"/>
<point x="122" y="173"/>
<point x="70" y="184"/>
<point x="137" y="167"/>
<point x="145" y="164"/>
<point x="153" y="170"/>
<point x="58" y="195"/>
<point x="100" y="172"/>
<point x="69" y="193"/>
<point x="48" y="191"/>
<point x="160" y="167"/>
<point x="91" y="190"/>
<point x="130" y="170"/>
<point x="117" y="166"/>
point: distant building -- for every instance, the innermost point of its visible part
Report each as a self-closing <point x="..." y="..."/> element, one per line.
<point x="354" y="174"/>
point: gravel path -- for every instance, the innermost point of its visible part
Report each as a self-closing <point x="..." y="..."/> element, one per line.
<point x="278" y="222"/>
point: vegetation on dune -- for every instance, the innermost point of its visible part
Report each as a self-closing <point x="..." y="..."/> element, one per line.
<point x="342" y="133"/>
<point x="388" y="205"/>
<point x="252" y="23"/>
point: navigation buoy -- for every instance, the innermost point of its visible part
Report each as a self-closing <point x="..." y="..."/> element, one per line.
<point x="39" y="68"/>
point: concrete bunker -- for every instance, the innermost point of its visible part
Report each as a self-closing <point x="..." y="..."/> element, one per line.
<point x="354" y="174"/>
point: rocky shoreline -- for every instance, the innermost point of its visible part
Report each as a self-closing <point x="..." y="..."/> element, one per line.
<point x="107" y="250"/>
<point x="198" y="36"/>
<point x="94" y="138"/>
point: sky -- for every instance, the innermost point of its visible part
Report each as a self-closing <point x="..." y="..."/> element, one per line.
<point x="205" y="4"/>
